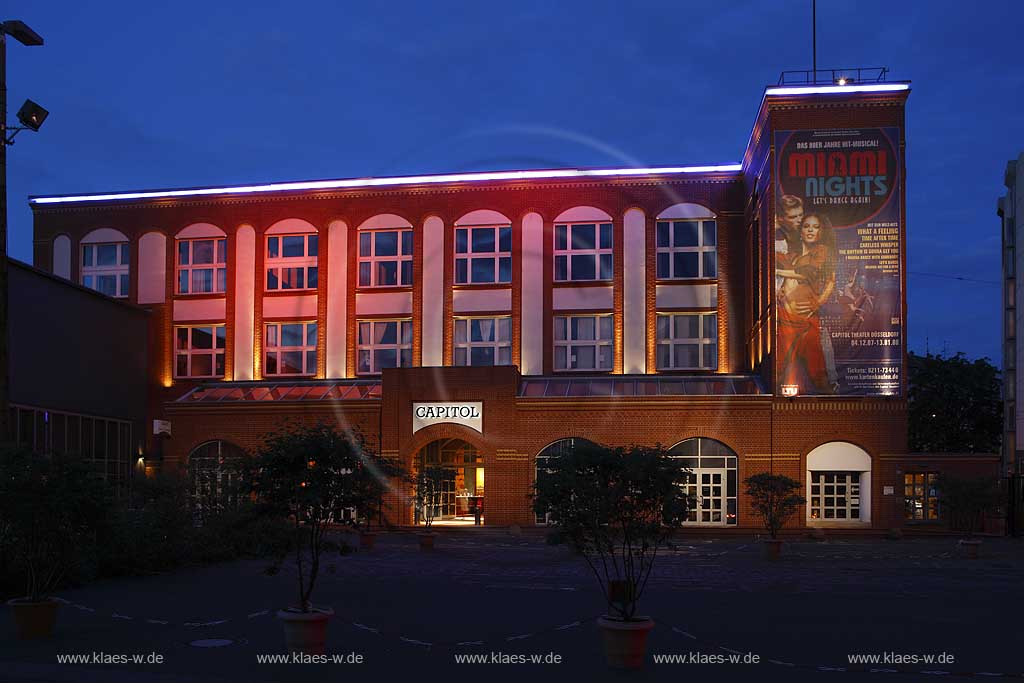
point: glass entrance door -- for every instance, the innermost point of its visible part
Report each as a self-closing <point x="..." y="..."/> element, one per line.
<point x="706" y="489"/>
<point x="462" y="488"/>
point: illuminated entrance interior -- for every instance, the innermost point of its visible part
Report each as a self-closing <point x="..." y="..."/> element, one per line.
<point x="462" y="491"/>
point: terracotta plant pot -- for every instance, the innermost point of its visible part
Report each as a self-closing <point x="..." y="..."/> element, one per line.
<point x="305" y="632"/>
<point x="625" y="642"/>
<point x="427" y="541"/>
<point x="772" y="548"/>
<point x="34" y="619"/>
<point x="970" y="548"/>
<point x="367" y="540"/>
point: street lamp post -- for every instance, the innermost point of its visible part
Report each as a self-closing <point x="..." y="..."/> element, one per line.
<point x="26" y="36"/>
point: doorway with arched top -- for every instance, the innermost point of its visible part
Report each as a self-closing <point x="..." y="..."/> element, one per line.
<point x="461" y="500"/>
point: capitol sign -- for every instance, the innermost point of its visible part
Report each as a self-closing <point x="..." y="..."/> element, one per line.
<point x="469" y="414"/>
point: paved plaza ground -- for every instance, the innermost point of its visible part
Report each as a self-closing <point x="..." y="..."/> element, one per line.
<point x="408" y="614"/>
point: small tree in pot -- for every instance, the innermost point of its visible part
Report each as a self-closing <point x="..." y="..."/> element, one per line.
<point x="616" y="507"/>
<point x="309" y="474"/>
<point x="428" y="486"/>
<point x="775" y="498"/>
<point x="964" y="501"/>
<point x="50" y="507"/>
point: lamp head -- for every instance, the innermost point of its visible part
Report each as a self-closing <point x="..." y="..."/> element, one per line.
<point x="32" y="115"/>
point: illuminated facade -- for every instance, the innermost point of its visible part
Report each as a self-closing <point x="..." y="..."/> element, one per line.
<point x="484" y="321"/>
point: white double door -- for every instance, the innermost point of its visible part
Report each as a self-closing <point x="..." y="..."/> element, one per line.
<point x="706" y="488"/>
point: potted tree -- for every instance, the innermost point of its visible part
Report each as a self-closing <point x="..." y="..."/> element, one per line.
<point x="428" y="485"/>
<point x="616" y="507"/>
<point x="51" y="507"/>
<point x="775" y="497"/>
<point x="965" y="502"/>
<point x="310" y="474"/>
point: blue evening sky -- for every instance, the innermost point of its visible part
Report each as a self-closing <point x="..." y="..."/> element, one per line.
<point x="146" y="95"/>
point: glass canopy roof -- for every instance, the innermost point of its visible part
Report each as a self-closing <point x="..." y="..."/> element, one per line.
<point x="332" y="390"/>
<point x="640" y="386"/>
<point x="533" y="387"/>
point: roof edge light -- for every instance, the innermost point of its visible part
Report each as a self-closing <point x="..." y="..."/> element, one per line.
<point x="387" y="182"/>
<point x="836" y="89"/>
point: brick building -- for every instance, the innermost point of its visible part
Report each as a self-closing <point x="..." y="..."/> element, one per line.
<point x="483" y="321"/>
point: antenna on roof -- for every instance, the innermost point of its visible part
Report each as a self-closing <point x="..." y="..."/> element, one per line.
<point x="814" y="40"/>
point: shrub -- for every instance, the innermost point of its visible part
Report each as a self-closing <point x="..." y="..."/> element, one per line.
<point x="616" y="507"/>
<point x="775" y="498"/>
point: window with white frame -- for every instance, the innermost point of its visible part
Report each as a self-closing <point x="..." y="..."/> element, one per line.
<point x="383" y="344"/>
<point x="199" y="351"/>
<point x="584" y="342"/>
<point x="290" y="349"/>
<point x="687" y="249"/>
<point x="483" y="341"/>
<point x="202" y="266"/>
<point x="106" y="268"/>
<point x="483" y="255"/>
<point x="385" y="258"/>
<point x="583" y="252"/>
<point x="835" y="495"/>
<point x="292" y="262"/>
<point x="687" y="341"/>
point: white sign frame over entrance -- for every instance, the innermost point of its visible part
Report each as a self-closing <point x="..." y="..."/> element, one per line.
<point x="466" y="413"/>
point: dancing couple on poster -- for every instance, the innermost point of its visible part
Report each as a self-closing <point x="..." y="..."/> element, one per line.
<point x="805" y="277"/>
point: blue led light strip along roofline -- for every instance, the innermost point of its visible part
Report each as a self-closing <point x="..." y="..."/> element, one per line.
<point x="386" y="182"/>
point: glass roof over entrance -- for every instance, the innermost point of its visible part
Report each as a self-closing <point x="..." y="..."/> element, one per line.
<point x="249" y="392"/>
<point x="640" y="386"/>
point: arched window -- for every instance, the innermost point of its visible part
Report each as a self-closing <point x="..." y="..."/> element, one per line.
<point x="483" y="248"/>
<point x="548" y="454"/>
<point x="686" y="237"/>
<point x="214" y="474"/>
<point x="385" y="252"/>
<point x="106" y="262"/>
<point x="584" y="245"/>
<point x="711" y="481"/>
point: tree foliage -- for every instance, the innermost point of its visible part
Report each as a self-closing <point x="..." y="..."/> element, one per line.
<point x="311" y="475"/>
<point x="51" y="508"/>
<point x="428" y="486"/>
<point x="775" y="497"/>
<point x="964" y="501"/>
<point x="617" y="507"/>
<point x="954" y="405"/>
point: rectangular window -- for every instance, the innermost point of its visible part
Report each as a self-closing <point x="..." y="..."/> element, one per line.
<point x="687" y="341"/>
<point x="292" y="262"/>
<point x="920" y="497"/>
<point x="835" y="495"/>
<point x="385" y="258"/>
<point x="584" y="342"/>
<point x="106" y="268"/>
<point x="290" y="349"/>
<point x="483" y="341"/>
<point x="583" y="252"/>
<point x="199" y="351"/>
<point x="483" y="255"/>
<point x="687" y="249"/>
<point x="383" y="344"/>
<point x="202" y="266"/>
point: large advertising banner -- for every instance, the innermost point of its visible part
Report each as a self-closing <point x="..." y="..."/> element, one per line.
<point x="837" y="262"/>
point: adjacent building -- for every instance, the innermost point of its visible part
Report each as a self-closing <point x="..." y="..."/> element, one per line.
<point x="1010" y="209"/>
<point x="748" y="316"/>
<point x="78" y="373"/>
